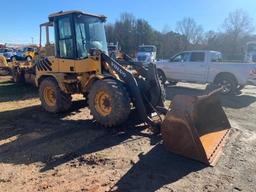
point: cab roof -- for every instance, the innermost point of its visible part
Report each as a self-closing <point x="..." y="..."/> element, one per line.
<point x="61" y="13"/>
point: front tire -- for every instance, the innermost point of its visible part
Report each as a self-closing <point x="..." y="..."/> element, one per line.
<point x="161" y="76"/>
<point x="109" y="102"/>
<point x="52" y="98"/>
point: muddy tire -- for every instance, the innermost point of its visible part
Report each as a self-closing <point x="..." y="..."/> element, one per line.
<point x="228" y="82"/>
<point x="52" y="98"/>
<point x="109" y="102"/>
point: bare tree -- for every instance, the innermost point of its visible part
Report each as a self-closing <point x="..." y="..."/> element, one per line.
<point x="192" y="32"/>
<point x="238" y="24"/>
<point x="237" y="28"/>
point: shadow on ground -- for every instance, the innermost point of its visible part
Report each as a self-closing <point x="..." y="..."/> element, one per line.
<point x="230" y="101"/>
<point x="156" y="169"/>
<point x="53" y="141"/>
<point x="37" y="136"/>
<point x="10" y="91"/>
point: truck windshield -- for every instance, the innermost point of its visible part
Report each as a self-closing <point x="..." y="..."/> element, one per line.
<point x="90" y="33"/>
<point x="147" y="49"/>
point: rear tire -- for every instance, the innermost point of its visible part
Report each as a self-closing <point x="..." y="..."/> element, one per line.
<point x="28" y="58"/>
<point x="109" y="102"/>
<point x="13" y="59"/>
<point x="52" y="98"/>
<point x="228" y="82"/>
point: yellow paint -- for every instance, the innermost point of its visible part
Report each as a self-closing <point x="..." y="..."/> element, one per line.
<point x="49" y="96"/>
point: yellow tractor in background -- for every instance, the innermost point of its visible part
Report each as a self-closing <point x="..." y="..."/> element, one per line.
<point x="29" y="53"/>
<point x="78" y="62"/>
<point x="4" y="67"/>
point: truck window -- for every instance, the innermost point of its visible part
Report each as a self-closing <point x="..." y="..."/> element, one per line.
<point x="183" y="57"/>
<point x="65" y="38"/>
<point x="216" y="57"/>
<point x="197" y="57"/>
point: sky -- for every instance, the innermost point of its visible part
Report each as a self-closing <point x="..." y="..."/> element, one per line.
<point x="20" y="19"/>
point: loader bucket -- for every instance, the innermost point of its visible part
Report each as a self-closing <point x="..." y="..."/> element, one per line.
<point x="196" y="127"/>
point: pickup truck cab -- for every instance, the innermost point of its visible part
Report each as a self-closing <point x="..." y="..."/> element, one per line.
<point x="207" y="67"/>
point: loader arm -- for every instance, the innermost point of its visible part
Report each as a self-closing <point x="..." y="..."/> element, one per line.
<point x="134" y="89"/>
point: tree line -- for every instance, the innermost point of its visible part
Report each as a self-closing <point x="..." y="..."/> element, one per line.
<point x="237" y="29"/>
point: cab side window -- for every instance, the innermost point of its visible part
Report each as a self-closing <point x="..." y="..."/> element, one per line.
<point x="183" y="57"/>
<point x="216" y="57"/>
<point x="197" y="57"/>
<point x="65" y="38"/>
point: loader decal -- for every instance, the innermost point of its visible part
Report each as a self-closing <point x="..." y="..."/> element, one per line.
<point x="43" y="65"/>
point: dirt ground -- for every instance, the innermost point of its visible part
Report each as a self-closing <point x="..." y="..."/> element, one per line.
<point x="70" y="152"/>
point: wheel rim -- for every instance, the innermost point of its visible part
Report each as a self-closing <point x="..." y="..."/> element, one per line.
<point x="103" y="103"/>
<point x="49" y="96"/>
<point x="29" y="59"/>
<point x="226" y="86"/>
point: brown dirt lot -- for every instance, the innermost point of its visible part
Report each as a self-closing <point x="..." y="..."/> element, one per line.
<point x="70" y="152"/>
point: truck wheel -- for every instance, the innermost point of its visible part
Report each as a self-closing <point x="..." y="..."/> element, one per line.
<point x="13" y="58"/>
<point x="18" y="75"/>
<point x="161" y="76"/>
<point x="52" y="98"/>
<point x="109" y="102"/>
<point x="228" y="82"/>
<point x="28" y="58"/>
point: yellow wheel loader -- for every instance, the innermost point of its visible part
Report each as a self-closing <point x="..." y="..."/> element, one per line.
<point x="4" y="67"/>
<point x="78" y="62"/>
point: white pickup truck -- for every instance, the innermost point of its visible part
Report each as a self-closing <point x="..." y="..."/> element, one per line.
<point x="146" y="54"/>
<point x="207" y="67"/>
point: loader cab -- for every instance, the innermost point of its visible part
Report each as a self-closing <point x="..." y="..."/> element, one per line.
<point x="76" y="33"/>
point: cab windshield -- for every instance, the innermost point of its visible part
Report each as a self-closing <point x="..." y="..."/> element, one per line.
<point x="147" y="49"/>
<point x="90" y="33"/>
